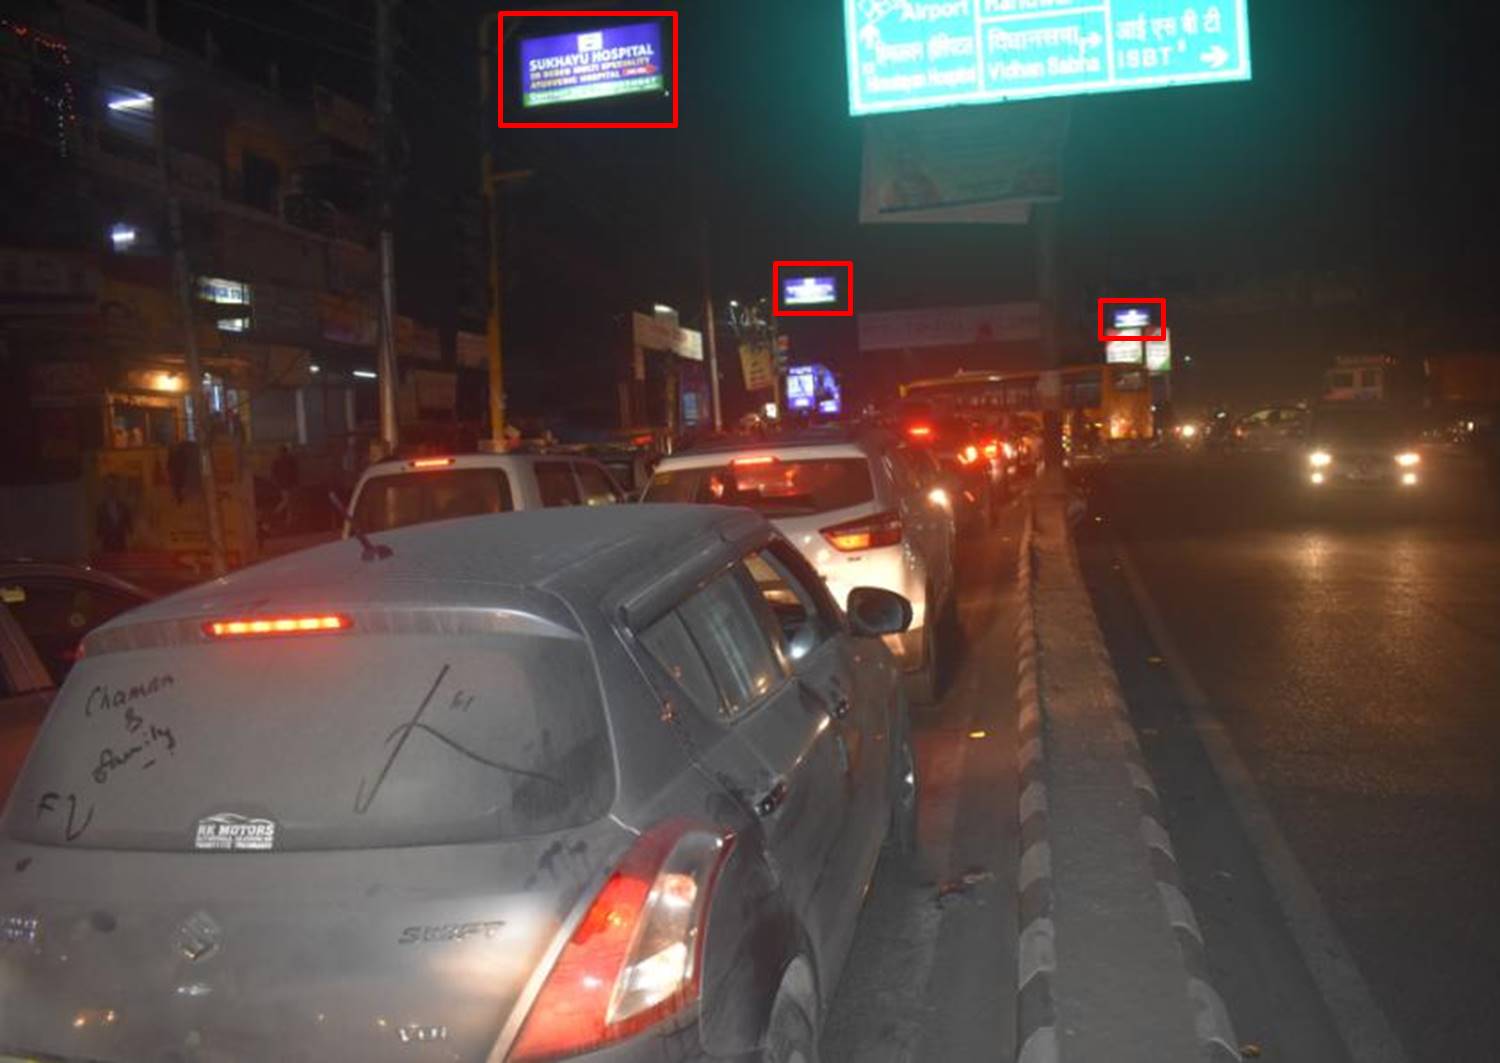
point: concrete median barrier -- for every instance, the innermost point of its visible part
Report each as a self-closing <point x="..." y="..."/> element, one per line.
<point x="1110" y="953"/>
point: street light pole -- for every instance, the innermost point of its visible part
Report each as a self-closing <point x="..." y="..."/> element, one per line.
<point x="385" y="47"/>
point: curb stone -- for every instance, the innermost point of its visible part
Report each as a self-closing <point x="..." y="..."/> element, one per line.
<point x="1036" y="1029"/>
<point x="1036" y="1015"/>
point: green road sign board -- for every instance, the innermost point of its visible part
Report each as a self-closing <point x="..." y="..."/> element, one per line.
<point x="907" y="55"/>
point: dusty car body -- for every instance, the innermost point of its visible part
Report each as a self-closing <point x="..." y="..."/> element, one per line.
<point x="467" y="801"/>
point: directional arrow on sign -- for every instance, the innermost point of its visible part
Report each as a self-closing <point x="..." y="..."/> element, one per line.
<point x="1215" y="57"/>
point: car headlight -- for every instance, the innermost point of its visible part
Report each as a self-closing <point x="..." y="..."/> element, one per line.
<point x="1319" y="458"/>
<point x="1407" y="458"/>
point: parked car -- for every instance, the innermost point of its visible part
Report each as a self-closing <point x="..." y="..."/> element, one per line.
<point x="858" y="504"/>
<point x="394" y="494"/>
<point x="484" y="797"/>
<point x="45" y="611"/>
<point x="973" y="461"/>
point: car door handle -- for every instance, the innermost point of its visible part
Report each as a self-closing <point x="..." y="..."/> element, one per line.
<point x="773" y="799"/>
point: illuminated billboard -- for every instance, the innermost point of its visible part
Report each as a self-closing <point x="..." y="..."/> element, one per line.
<point x="597" y="64"/>
<point x="813" y="288"/>
<point x="906" y="55"/>
<point x="809" y="291"/>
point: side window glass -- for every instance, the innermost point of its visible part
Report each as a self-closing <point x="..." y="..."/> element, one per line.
<point x="55" y="615"/>
<point x="554" y="480"/>
<point x="598" y="490"/>
<point x="802" y="619"/>
<point x="669" y="643"/>
<point x="734" y="642"/>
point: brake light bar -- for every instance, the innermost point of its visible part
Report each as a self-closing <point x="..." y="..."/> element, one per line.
<point x="432" y="463"/>
<point x="920" y="431"/>
<point x="765" y="459"/>
<point x="865" y="533"/>
<point x="277" y="625"/>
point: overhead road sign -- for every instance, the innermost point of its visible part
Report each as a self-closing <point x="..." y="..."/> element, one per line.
<point x="906" y="55"/>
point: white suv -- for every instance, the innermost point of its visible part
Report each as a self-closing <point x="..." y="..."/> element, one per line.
<point x="861" y="508"/>
<point x="394" y="494"/>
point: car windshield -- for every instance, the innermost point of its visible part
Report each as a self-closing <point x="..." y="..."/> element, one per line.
<point x="1358" y="426"/>
<point x="395" y="501"/>
<point x="771" y="486"/>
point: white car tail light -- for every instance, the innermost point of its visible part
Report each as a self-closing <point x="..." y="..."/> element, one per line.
<point x="865" y="533"/>
<point x="637" y="956"/>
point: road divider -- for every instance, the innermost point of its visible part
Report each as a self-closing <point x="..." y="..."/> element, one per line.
<point x="1110" y="955"/>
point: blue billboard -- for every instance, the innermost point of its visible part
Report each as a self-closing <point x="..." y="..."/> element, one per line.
<point x="593" y="65"/>
<point x="906" y="55"/>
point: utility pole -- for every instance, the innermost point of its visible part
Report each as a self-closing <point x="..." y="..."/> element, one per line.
<point x="385" y="48"/>
<point x="198" y="426"/>
<point x="1044" y="221"/>
<point x="712" y="331"/>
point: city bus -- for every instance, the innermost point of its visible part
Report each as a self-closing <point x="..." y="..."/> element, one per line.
<point x="1113" y="401"/>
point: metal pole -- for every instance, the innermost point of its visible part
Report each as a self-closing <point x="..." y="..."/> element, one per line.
<point x="198" y="426"/>
<point x="1044" y="220"/>
<point x="713" y="355"/>
<point x="492" y="320"/>
<point x="384" y="111"/>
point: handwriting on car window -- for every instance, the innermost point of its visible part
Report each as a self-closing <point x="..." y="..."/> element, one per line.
<point x="67" y="804"/>
<point x="399" y="735"/>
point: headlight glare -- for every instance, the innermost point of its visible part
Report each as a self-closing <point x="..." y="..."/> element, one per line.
<point x="1319" y="459"/>
<point x="1406" y="459"/>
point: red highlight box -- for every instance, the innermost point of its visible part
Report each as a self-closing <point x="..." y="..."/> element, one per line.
<point x="847" y="265"/>
<point x="1105" y="336"/>
<point x="500" y="69"/>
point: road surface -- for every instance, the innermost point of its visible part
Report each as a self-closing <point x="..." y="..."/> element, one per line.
<point x="1348" y="659"/>
<point x="932" y="973"/>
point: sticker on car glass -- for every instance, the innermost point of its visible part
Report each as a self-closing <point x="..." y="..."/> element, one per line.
<point x="229" y="831"/>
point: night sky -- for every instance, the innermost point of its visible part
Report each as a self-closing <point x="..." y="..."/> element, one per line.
<point x="1364" y="147"/>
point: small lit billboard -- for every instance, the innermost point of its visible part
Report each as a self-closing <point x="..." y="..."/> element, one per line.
<point x="600" y="63"/>
<point x="813" y="288"/>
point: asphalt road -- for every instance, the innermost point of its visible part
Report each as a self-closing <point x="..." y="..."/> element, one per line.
<point x="932" y="973"/>
<point x="1348" y="654"/>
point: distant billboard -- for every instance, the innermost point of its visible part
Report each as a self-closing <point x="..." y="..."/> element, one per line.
<point x="1141" y="319"/>
<point x="811" y="288"/>
<point x="600" y="63"/>
<point x="967" y="165"/>
<point x="810" y="291"/>
<point x="905" y="55"/>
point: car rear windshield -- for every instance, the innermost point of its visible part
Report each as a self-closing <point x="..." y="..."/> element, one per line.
<point x="337" y="740"/>
<point x="395" y="501"/>
<point x="770" y="486"/>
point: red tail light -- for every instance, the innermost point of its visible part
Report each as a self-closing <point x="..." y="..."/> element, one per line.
<point x="992" y="449"/>
<point x="764" y="459"/>
<point x="920" y="431"/>
<point x="432" y="463"/>
<point x="883" y="529"/>
<point x="276" y="625"/>
<point x="637" y="956"/>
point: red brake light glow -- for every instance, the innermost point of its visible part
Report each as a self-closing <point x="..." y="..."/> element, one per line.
<point x="637" y="955"/>
<point x="991" y="449"/>
<point x="276" y="625"/>
<point x="432" y="463"/>
<point x="765" y="459"/>
<point x="920" y="431"/>
<point x="865" y="533"/>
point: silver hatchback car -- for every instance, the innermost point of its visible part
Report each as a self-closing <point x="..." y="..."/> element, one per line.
<point x="605" y="784"/>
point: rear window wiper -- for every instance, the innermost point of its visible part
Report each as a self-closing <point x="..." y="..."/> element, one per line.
<point x="372" y="551"/>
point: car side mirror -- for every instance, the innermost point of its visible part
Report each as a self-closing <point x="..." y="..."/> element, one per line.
<point x="874" y="611"/>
